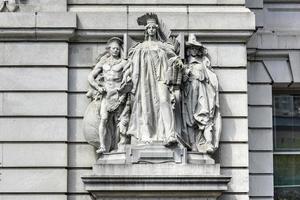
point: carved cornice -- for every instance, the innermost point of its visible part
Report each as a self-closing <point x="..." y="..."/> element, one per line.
<point x="179" y="186"/>
<point x="37" y="26"/>
<point x="206" y="36"/>
<point x="269" y="57"/>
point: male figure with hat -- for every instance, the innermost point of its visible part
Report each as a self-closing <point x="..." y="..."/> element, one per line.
<point x="153" y="63"/>
<point x="200" y="100"/>
<point x="109" y="93"/>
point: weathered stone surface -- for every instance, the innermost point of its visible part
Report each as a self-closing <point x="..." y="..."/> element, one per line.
<point x="1" y="154"/>
<point x="281" y="17"/>
<point x="78" y="79"/>
<point x="33" y="196"/>
<point x="158" y="170"/>
<point x="79" y="197"/>
<point x="34" y="155"/>
<point x="232" y="80"/>
<point x="233" y="104"/>
<point x="294" y="63"/>
<point x="221" y="55"/>
<point x="234" y="155"/>
<point x="30" y="104"/>
<point x="33" y="129"/>
<point x="260" y="117"/>
<point x="84" y="55"/>
<point x="233" y="197"/>
<point x="34" y="53"/>
<point x="257" y="73"/>
<point x="261" y="185"/>
<point x="259" y="16"/>
<point x="125" y="180"/>
<point x="27" y="78"/>
<point x="17" y="20"/>
<point x="33" y="180"/>
<point x="207" y="18"/>
<point x="164" y="2"/>
<point x="262" y="198"/>
<point x="78" y="103"/>
<point x="279" y="70"/>
<point x="254" y="4"/>
<point x="261" y="139"/>
<point x="261" y="162"/>
<point x="43" y="6"/>
<point x="75" y="184"/>
<point x="234" y="130"/>
<point x="98" y="20"/>
<point x="56" y="20"/>
<point x="201" y="188"/>
<point x="239" y="181"/>
<point x="75" y="130"/>
<point x="81" y="155"/>
<point x="259" y="94"/>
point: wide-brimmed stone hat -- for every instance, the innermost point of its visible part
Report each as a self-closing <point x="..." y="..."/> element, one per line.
<point x="192" y="41"/>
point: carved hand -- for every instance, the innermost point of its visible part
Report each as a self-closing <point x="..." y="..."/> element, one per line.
<point x="101" y="90"/>
<point x="178" y="63"/>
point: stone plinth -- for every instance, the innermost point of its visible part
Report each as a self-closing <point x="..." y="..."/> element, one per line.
<point x="156" y="187"/>
<point x="154" y="154"/>
<point x="140" y="173"/>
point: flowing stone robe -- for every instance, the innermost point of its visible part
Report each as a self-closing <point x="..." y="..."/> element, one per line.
<point x="200" y="105"/>
<point x="153" y="65"/>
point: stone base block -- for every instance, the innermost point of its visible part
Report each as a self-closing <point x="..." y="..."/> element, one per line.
<point x="156" y="181"/>
<point x="166" y="169"/>
<point x="155" y="172"/>
<point x="154" y="154"/>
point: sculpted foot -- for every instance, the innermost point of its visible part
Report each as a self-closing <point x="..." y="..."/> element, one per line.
<point x="101" y="150"/>
<point x="171" y="141"/>
<point x="210" y="149"/>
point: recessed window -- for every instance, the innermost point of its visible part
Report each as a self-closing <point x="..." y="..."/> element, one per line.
<point x="286" y="132"/>
<point x="286" y="120"/>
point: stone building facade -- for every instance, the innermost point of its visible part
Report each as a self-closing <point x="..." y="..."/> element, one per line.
<point x="48" y="48"/>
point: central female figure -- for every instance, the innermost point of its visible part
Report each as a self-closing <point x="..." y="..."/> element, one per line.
<point x="153" y="63"/>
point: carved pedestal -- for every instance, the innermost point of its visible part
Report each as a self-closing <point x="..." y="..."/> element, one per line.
<point x="155" y="172"/>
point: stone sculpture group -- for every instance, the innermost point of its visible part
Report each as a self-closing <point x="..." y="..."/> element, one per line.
<point x="134" y="100"/>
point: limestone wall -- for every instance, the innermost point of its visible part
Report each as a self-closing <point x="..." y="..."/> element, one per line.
<point x="273" y="55"/>
<point x="46" y="52"/>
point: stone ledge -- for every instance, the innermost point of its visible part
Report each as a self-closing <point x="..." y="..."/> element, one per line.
<point x="56" y="20"/>
<point x="223" y="36"/>
<point x="39" y="26"/>
<point x="156" y="186"/>
<point x="17" y="20"/>
<point x="38" y="20"/>
<point x="156" y="2"/>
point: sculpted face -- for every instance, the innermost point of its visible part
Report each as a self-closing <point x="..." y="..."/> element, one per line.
<point x="194" y="51"/>
<point x="114" y="49"/>
<point x="152" y="29"/>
